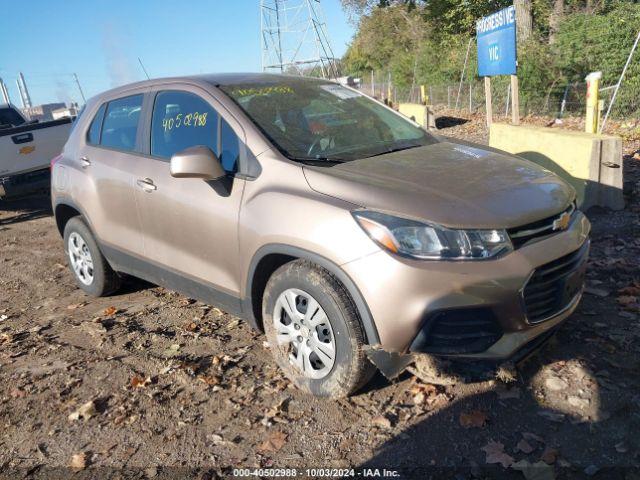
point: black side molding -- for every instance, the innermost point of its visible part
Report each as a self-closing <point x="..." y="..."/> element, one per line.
<point x="195" y="288"/>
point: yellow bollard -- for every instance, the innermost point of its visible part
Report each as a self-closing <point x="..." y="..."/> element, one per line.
<point x="592" y="122"/>
<point x="423" y="95"/>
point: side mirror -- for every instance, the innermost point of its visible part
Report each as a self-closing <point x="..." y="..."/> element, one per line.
<point x="196" y="162"/>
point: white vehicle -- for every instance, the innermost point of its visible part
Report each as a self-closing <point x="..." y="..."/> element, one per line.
<point x="26" y="150"/>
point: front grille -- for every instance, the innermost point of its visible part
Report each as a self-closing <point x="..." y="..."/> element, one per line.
<point x="553" y="286"/>
<point x="522" y="235"/>
<point x="470" y="330"/>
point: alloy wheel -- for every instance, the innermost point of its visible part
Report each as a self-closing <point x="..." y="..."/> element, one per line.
<point x="303" y="326"/>
<point x="80" y="258"/>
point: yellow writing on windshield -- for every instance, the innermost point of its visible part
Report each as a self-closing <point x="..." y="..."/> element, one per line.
<point x="194" y="119"/>
<point x="245" y="92"/>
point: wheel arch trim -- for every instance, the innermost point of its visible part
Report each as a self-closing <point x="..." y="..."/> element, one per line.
<point x="282" y="249"/>
<point x="65" y="202"/>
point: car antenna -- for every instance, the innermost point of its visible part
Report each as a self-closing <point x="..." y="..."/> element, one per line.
<point x="143" y="69"/>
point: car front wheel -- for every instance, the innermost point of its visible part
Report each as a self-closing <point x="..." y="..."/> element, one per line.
<point x="314" y="331"/>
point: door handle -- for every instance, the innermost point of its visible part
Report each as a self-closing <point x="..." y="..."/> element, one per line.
<point x="23" y="138"/>
<point x="146" y="184"/>
<point x="84" y="162"/>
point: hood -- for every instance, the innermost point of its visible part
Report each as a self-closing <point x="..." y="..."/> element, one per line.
<point x="455" y="185"/>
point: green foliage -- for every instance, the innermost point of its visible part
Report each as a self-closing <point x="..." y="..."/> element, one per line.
<point x="588" y="43"/>
<point x="425" y="42"/>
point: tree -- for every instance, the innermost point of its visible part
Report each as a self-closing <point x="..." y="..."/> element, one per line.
<point x="555" y="18"/>
<point x="524" y="19"/>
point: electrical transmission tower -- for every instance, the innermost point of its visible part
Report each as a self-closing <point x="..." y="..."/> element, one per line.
<point x="295" y="39"/>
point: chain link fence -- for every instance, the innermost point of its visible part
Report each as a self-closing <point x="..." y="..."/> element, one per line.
<point x="557" y="101"/>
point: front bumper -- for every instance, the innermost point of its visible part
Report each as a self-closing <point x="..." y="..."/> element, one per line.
<point x="403" y="294"/>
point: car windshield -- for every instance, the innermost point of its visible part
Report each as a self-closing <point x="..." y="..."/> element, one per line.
<point x="318" y="121"/>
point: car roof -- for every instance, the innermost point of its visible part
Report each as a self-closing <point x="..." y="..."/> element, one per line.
<point x="216" y="79"/>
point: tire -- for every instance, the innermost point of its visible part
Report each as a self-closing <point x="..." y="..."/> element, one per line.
<point x="333" y="330"/>
<point x="92" y="272"/>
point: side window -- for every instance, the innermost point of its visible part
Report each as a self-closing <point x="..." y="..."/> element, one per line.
<point x="230" y="148"/>
<point x="120" y="125"/>
<point x="182" y="120"/>
<point x="93" y="134"/>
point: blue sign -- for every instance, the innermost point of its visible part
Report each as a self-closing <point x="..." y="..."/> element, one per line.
<point x="497" y="43"/>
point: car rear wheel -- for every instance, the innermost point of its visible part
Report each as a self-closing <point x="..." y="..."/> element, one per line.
<point x="89" y="267"/>
<point x="314" y="331"/>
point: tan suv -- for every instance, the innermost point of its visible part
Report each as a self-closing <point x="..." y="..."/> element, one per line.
<point x="321" y="216"/>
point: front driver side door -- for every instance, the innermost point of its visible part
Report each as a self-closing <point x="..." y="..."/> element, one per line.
<point x="190" y="225"/>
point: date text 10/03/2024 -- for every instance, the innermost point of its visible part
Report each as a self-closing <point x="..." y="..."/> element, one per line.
<point x="316" y="472"/>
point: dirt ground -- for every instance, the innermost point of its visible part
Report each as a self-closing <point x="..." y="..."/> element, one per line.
<point x="150" y="384"/>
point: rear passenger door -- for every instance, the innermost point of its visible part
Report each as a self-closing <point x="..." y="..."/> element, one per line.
<point x="107" y="161"/>
<point x="190" y="225"/>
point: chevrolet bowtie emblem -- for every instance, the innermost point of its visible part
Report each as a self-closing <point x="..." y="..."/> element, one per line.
<point x="562" y="222"/>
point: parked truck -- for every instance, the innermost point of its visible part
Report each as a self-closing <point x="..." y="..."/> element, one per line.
<point x="26" y="150"/>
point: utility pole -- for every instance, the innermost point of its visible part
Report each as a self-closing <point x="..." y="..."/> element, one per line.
<point x="79" y="88"/>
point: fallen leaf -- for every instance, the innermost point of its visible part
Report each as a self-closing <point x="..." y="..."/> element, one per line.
<point x="382" y="422"/>
<point x="209" y="379"/>
<point x="75" y="306"/>
<point x="532" y="437"/>
<point x="597" y="292"/>
<point x="496" y="454"/>
<point x="78" y="461"/>
<point x="632" y="290"/>
<point x="273" y="443"/>
<point x="473" y="419"/>
<point x="627" y="300"/>
<point x="191" y="327"/>
<point x="110" y="311"/>
<point x="85" y="412"/>
<point x="423" y="392"/>
<point x="18" y="393"/>
<point x="524" y="446"/>
<point x="622" y="447"/>
<point x="139" y="382"/>
<point x="549" y="456"/>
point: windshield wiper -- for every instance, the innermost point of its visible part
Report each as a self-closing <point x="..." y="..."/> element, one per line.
<point x="318" y="160"/>
<point x="394" y="149"/>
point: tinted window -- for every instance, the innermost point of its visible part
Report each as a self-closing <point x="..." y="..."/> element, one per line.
<point x="120" y="125"/>
<point x="230" y="147"/>
<point x="93" y="135"/>
<point x="10" y="118"/>
<point x="182" y="120"/>
<point x="317" y="121"/>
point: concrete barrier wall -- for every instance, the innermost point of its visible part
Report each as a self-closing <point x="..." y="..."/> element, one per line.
<point x="419" y="113"/>
<point x="591" y="163"/>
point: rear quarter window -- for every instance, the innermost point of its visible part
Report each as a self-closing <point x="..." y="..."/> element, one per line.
<point x="120" y="125"/>
<point x="93" y="134"/>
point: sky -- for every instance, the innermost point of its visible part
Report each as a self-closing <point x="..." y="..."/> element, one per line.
<point x="101" y="41"/>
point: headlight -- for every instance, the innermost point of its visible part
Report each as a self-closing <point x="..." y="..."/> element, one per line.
<point x="431" y="242"/>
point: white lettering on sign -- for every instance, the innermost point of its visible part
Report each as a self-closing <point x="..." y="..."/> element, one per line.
<point x="494" y="53"/>
<point x="496" y="20"/>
